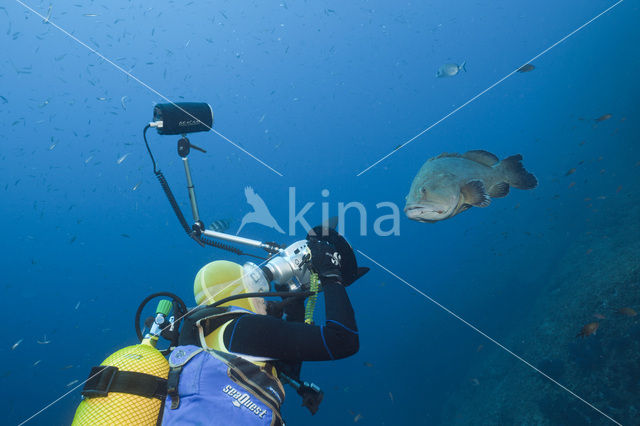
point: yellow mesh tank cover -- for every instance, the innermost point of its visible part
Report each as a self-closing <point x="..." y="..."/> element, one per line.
<point x="122" y="408"/>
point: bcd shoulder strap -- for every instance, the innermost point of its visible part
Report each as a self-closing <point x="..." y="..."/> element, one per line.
<point x="209" y="319"/>
<point x="177" y="360"/>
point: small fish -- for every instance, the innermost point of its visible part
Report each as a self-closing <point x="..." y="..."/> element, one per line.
<point x="627" y="312"/>
<point x="16" y="344"/>
<point x="603" y="118"/>
<point x="53" y="145"/>
<point x="88" y="159"/>
<point x="599" y="316"/>
<point x="588" y="329"/>
<point x="4" y="100"/>
<point x="37" y="362"/>
<point x="136" y="186"/>
<point x="570" y="171"/>
<point x="71" y="383"/>
<point x="479" y="348"/>
<point x="124" y="157"/>
<point x="125" y="235"/>
<point x="44" y="341"/>
<point x="122" y="99"/>
<point x="72" y="239"/>
<point x="220" y="225"/>
<point x="67" y="367"/>
<point x="475" y="382"/>
<point x="102" y="98"/>
<point x="450" y="70"/>
<point x="368" y="364"/>
<point x="46" y="20"/>
<point x="77" y="305"/>
<point x="391" y="396"/>
<point x="357" y="418"/>
<point x="526" y="68"/>
<point x="90" y="15"/>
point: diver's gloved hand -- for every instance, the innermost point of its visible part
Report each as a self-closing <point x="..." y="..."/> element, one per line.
<point x="325" y="259"/>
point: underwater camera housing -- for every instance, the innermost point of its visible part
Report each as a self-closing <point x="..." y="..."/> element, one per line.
<point x="290" y="269"/>
<point x="181" y="118"/>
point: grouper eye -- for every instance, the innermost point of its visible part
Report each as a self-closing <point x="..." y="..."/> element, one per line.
<point x="423" y="190"/>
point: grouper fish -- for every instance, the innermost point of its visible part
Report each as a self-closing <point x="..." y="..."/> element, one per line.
<point x="452" y="183"/>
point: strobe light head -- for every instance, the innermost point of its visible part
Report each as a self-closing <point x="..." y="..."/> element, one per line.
<point x="182" y="118"/>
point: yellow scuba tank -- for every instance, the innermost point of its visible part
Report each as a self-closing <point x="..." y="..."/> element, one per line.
<point x="130" y="385"/>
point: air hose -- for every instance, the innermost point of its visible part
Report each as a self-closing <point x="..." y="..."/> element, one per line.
<point x="311" y="303"/>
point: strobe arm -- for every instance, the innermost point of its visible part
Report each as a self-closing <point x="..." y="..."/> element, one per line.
<point x="198" y="227"/>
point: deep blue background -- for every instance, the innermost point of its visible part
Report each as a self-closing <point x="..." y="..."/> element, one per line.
<point x="319" y="91"/>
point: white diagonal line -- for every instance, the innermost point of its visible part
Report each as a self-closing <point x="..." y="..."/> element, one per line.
<point x="482" y="333"/>
<point x="59" y="398"/>
<point x="142" y="83"/>
<point x="488" y="88"/>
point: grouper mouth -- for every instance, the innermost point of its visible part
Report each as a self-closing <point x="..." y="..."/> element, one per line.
<point x="425" y="212"/>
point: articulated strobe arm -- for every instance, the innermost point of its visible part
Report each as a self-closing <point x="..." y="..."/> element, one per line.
<point x="184" y="146"/>
<point x="270" y="247"/>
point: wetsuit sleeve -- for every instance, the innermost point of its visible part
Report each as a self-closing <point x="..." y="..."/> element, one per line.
<point x="265" y="336"/>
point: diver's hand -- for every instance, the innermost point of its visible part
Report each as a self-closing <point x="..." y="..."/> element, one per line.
<point x="325" y="259"/>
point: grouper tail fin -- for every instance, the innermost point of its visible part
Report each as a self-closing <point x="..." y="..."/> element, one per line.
<point x="515" y="173"/>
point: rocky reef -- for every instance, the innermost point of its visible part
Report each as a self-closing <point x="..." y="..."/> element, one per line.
<point x="597" y="275"/>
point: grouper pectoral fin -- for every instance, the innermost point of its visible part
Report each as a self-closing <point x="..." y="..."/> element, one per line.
<point x="462" y="207"/>
<point x="475" y="194"/>
<point x="499" y="190"/>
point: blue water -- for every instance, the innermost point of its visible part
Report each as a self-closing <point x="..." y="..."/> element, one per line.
<point x="318" y="91"/>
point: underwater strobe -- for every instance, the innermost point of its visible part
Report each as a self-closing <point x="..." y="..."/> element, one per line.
<point x="130" y="386"/>
<point x="182" y="118"/>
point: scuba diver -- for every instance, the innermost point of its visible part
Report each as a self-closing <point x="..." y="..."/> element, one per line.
<point x="227" y="365"/>
<point x="229" y="356"/>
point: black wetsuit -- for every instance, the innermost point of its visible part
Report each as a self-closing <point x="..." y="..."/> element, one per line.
<point x="267" y="336"/>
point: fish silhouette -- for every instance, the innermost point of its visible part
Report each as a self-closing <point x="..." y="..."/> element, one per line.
<point x="260" y="213"/>
<point x="220" y="225"/>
